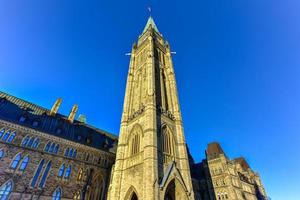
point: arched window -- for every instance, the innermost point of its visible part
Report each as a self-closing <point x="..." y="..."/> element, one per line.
<point x="61" y="170"/>
<point x="1" y="132"/>
<point x="1" y="153"/>
<point x="56" y="148"/>
<point x="11" y="137"/>
<point x="37" y="173"/>
<point x="30" y="142"/>
<point x="16" y="161"/>
<point x="80" y="174"/>
<point x="68" y="172"/>
<point x="57" y="194"/>
<point x="77" y="196"/>
<point x="75" y="153"/>
<point x="6" y="135"/>
<point x="47" y="147"/>
<point x="5" y="190"/>
<point x="25" y="141"/>
<point x="44" y="177"/>
<point x="24" y="163"/>
<point x="36" y="143"/>
<point x="51" y="150"/>
<point x="71" y="152"/>
<point x="135" y="140"/>
<point x="167" y="141"/>
<point x="67" y="151"/>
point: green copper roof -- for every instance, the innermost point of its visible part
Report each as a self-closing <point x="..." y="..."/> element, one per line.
<point x="152" y="23"/>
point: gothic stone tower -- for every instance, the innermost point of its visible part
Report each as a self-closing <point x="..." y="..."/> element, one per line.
<point x="152" y="161"/>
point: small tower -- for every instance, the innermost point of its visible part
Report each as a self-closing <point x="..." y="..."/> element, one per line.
<point x="151" y="161"/>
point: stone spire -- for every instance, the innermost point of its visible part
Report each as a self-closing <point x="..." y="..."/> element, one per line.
<point x="150" y="23"/>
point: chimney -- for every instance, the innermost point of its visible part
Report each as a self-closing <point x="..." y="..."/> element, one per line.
<point x="55" y="106"/>
<point x="73" y="113"/>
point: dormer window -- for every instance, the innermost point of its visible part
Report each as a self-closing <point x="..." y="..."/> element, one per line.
<point x="35" y="123"/>
<point x="22" y="119"/>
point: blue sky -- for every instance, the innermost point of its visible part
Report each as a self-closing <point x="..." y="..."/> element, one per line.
<point x="237" y="70"/>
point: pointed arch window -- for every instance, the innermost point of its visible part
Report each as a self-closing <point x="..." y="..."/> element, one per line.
<point x="36" y="143"/>
<point x="61" y="170"/>
<point x="30" y="142"/>
<point x="25" y="141"/>
<point x="52" y="148"/>
<point x="67" y="151"/>
<point x="1" y="132"/>
<point x="68" y="172"/>
<point x="80" y="174"/>
<point x="57" y="194"/>
<point x="6" y="135"/>
<point x="16" y="161"/>
<point x="45" y="175"/>
<point x="12" y="137"/>
<point x="75" y="153"/>
<point x="5" y="190"/>
<point x="71" y="152"/>
<point x="1" y="153"/>
<point x="56" y="149"/>
<point x="37" y="173"/>
<point x="135" y="141"/>
<point x="47" y="147"/>
<point x="24" y="163"/>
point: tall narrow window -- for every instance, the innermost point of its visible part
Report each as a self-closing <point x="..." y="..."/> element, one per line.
<point x="68" y="172"/>
<point x="67" y="151"/>
<point x="24" y="163"/>
<point x="5" y="190"/>
<point x="61" y="170"/>
<point x="1" y="153"/>
<point x="30" y="142"/>
<point x="80" y="173"/>
<point x="36" y="143"/>
<point x="44" y="177"/>
<point x="5" y="136"/>
<point x="25" y="141"/>
<point x="75" y="154"/>
<point x="11" y="137"/>
<point x="1" y="132"/>
<point x="47" y="147"/>
<point x="16" y="161"/>
<point x="52" y="148"/>
<point x="71" y="152"/>
<point x="56" y="148"/>
<point x="57" y="194"/>
<point x="37" y="173"/>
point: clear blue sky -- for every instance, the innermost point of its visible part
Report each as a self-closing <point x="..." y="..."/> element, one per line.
<point x="237" y="68"/>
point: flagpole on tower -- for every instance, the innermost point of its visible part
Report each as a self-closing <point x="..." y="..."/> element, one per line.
<point x="149" y="10"/>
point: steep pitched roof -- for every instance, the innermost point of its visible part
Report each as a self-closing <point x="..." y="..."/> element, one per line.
<point x="13" y="108"/>
<point x="151" y="23"/>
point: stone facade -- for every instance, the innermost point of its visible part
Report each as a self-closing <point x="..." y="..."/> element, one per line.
<point x="89" y="166"/>
<point x="151" y="161"/>
<point x="217" y="177"/>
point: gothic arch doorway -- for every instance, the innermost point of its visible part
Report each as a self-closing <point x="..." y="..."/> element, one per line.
<point x="170" y="192"/>
<point x="131" y="194"/>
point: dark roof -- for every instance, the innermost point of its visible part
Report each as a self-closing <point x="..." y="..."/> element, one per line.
<point x="27" y="114"/>
<point x="213" y="150"/>
<point x="242" y="161"/>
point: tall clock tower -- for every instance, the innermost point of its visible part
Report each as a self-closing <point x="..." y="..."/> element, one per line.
<point x="152" y="160"/>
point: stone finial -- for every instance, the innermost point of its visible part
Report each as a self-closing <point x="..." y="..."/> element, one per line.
<point x="82" y="118"/>
<point x="55" y="106"/>
<point x="73" y="113"/>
